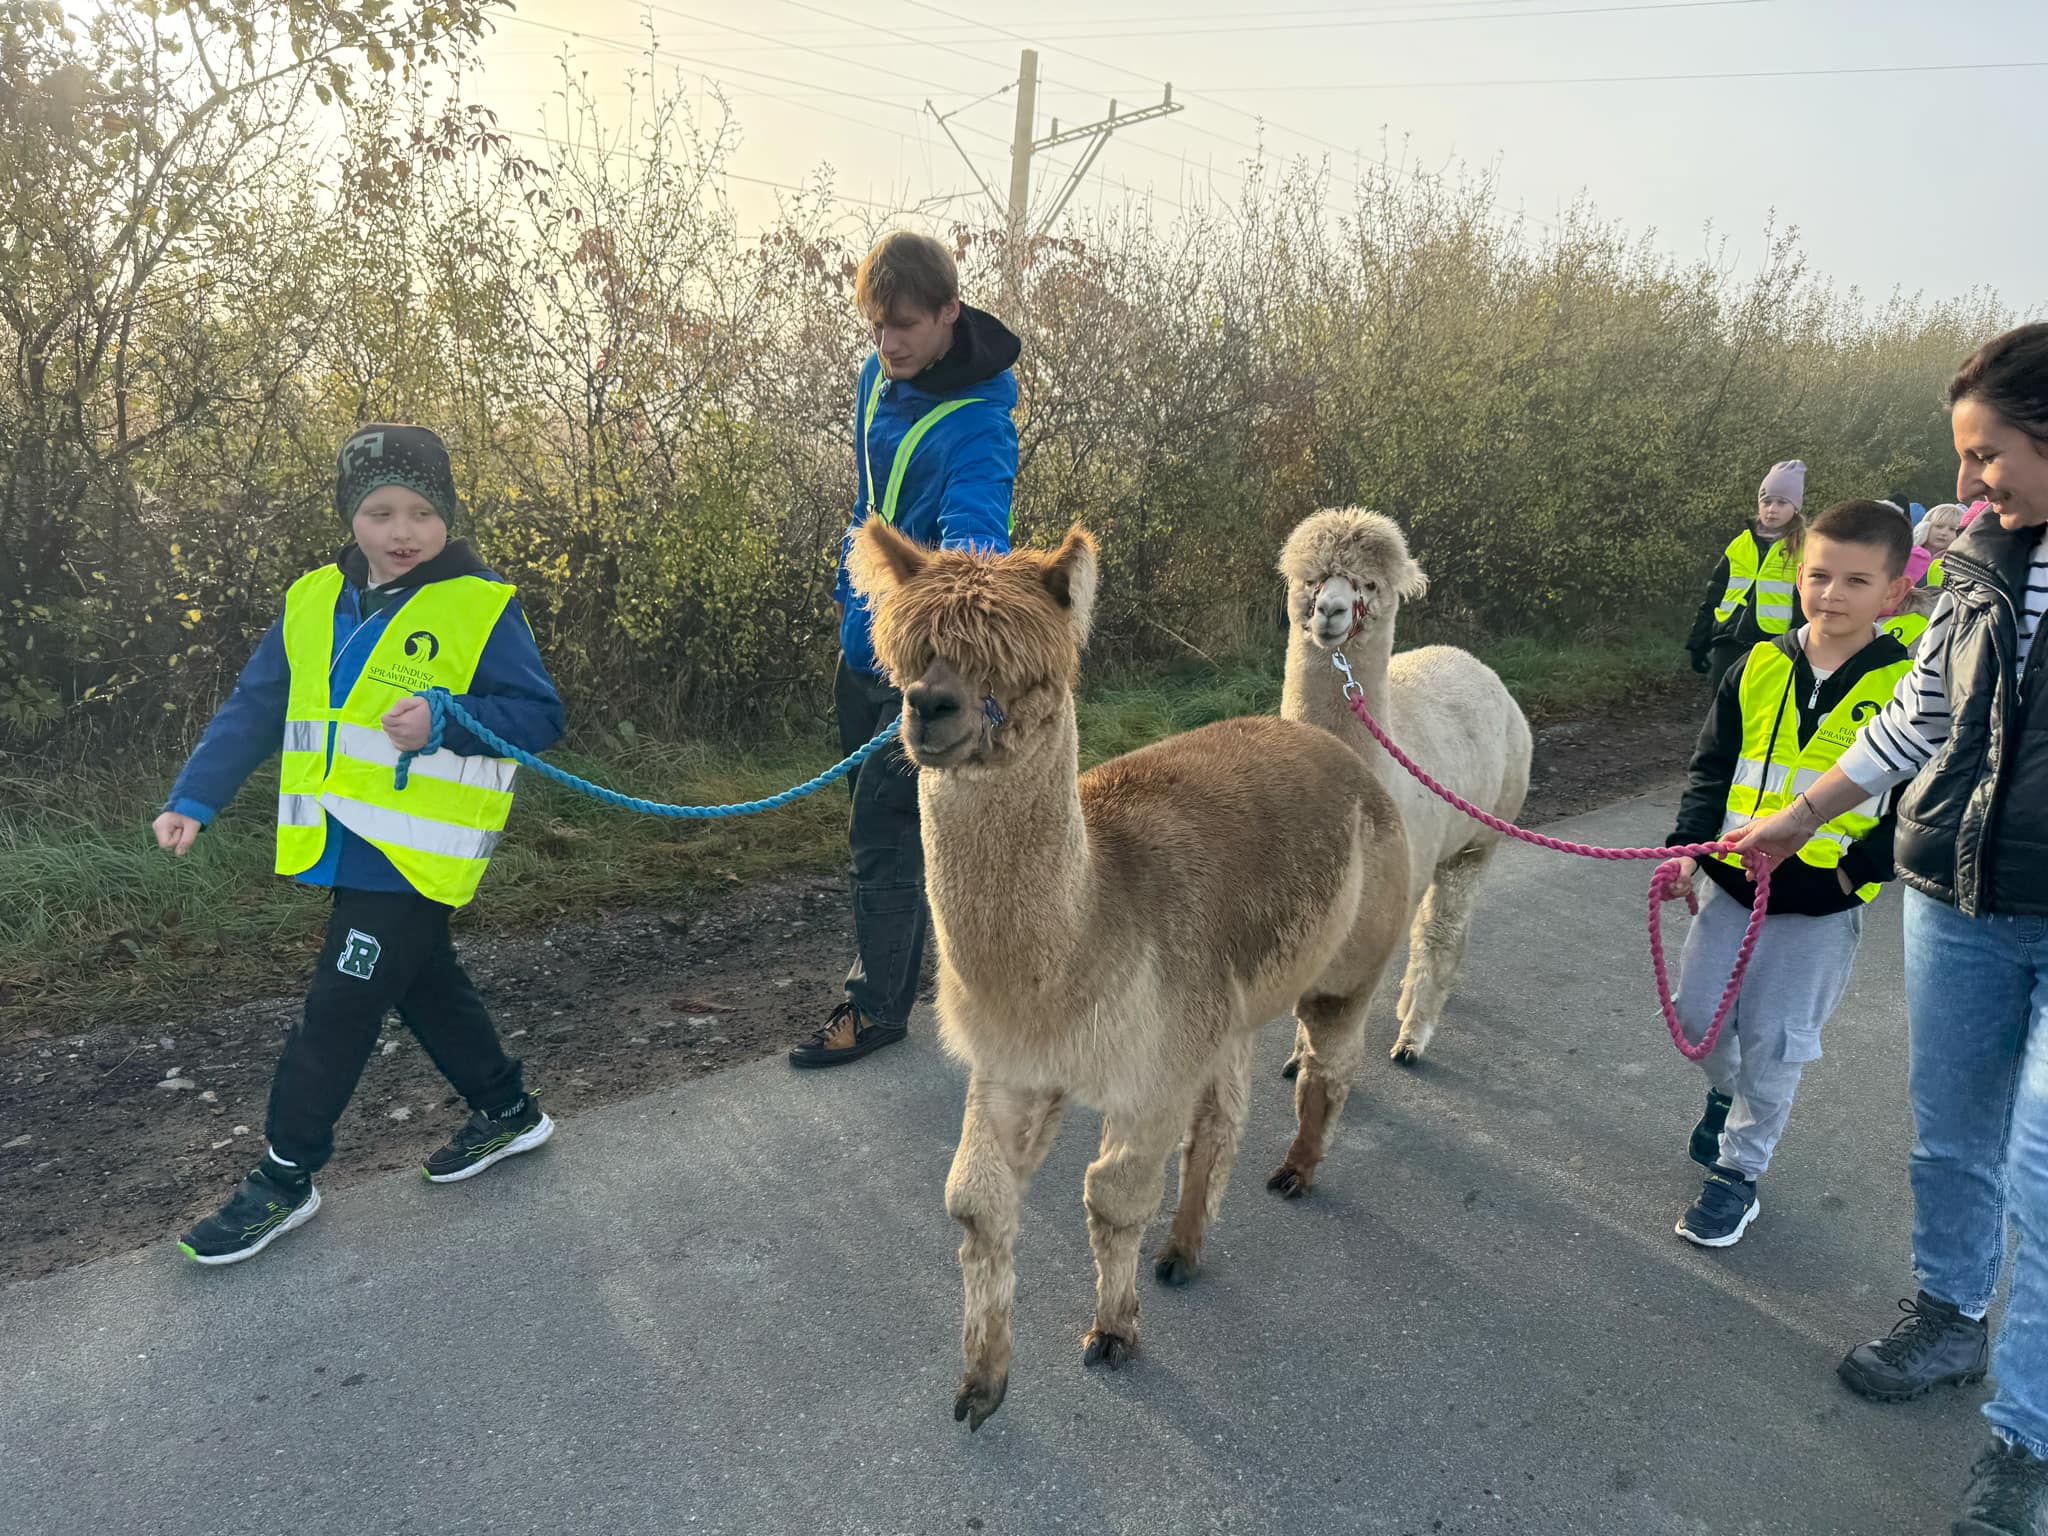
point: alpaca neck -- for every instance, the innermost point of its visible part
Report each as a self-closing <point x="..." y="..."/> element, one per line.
<point x="1314" y="689"/>
<point x="1007" y="865"/>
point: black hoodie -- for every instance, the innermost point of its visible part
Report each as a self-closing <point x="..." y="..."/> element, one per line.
<point x="982" y="348"/>
<point x="1797" y="888"/>
<point x="456" y="559"/>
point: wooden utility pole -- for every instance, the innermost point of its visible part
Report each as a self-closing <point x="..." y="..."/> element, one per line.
<point x="1016" y="210"/>
<point x="1020" y="153"/>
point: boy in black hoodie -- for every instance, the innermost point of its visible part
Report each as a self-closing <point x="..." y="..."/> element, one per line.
<point x="1781" y="716"/>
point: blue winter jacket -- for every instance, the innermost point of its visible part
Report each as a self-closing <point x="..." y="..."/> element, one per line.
<point x="956" y="491"/>
<point x="511" y="693"/>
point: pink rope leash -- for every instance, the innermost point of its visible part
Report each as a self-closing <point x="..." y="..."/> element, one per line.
<point x="1665" y="879"/>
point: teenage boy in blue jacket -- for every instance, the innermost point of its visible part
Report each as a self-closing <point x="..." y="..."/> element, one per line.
<point x="935" y="454"/>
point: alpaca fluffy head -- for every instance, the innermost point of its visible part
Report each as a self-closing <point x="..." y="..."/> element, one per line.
<point x="1347" y="568"/>
<point x="983" y="646"/>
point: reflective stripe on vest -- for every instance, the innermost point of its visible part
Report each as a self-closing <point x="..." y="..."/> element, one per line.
<point x="1904" y="627"/>
<point x="901" y="466"/>
<point x="1773" y="768"/>
<point x="440" y="830"/>
<point x="1773" y="578"/>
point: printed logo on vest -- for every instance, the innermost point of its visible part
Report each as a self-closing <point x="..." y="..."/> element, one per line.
<point x="1863" y="709"/>
<point x="359" y="954"/>
<point x="421" y="644"/>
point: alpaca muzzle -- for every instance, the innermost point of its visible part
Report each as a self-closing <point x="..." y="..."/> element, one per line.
<point x="942" y="724"/>
<point x="1337" y="612"/>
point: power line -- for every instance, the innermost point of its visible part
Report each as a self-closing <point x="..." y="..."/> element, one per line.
<point x="1264" y="25"/>
<point x="785" y="186"/>
<point x="1260" y="118"/>
<point x="818" y="10"/>
<point x="1401" y="21"/>
<point x="773" y="41"/>
<point x="1115" y="69"/>
<point x="864" y="32"/>
<point x="871" y="28"/>
<point x="1733" y="74"/>
<point x="655" y="51"/>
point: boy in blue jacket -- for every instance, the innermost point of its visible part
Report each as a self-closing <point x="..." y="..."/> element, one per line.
<point x="333" y="685"/>
<point x="935" y="454"/>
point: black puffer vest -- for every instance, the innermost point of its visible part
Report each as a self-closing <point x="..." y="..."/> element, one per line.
<point x="1973" y="824"/>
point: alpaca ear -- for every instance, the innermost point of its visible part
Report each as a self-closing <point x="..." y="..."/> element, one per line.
<point x="1069" y="576"/>
<point x="1412" y="583"/>
<point x="882" y="560"/>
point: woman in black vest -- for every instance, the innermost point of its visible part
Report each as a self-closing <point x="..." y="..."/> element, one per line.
<point x="1968" y="728"/>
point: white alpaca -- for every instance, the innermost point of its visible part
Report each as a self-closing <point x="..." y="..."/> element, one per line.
<point x="1347" y="571"/>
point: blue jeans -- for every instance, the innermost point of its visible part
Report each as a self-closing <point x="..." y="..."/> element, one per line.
<point x="1977" y="1000"/>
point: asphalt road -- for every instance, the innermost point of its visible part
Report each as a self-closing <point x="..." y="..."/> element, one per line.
<point x="732" y="1306"/>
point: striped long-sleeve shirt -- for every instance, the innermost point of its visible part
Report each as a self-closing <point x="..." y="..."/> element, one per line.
<point x="1911" y="729"/>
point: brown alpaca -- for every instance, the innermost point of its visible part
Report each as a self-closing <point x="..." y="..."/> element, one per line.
<point x="1117" y="939"/>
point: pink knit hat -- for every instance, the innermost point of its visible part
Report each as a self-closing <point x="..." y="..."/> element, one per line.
<point x="1786" y="481"/>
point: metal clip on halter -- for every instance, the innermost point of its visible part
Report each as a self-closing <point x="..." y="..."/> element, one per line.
<point x="1353" y="689"/>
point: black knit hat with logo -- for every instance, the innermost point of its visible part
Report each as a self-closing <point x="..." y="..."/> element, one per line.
<point x="388" y="453"/>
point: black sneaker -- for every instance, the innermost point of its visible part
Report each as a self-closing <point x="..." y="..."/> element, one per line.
<point x="267" y="1204"/>
<point x="847" y="1036"/>
<point x="1723" y="1212"/>
<point x="489" y="1139"/>
<point x="1931" y="1346"/>
<point x="2008" y="1494"/>
<point x="1705" y="1146"/>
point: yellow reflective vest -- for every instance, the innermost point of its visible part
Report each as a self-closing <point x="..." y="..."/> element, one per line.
<point x="1767" y="581"/>
<point x="440" y="829"/>
<point x="1773" y="767"/>
<point x="1905" y="627"/>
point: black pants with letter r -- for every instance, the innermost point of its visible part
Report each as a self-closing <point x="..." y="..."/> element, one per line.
<point x="890" y="918"/>
<point x="383" y="950"/>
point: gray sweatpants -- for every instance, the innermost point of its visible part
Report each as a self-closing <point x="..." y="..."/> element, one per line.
<point x="1796" y="977"/>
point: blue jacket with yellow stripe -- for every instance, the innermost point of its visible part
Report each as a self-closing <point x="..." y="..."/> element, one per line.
<point x="956" y="488"/>
<point x="511" y="694"/>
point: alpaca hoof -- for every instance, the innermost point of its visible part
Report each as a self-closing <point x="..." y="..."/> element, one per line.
<point x="1290" y="1182"/>
<point x="978" y="1400"/>
<point x="1174" y="1268"/>
<point x="1406" y="1053"/>
<point x="1293" y="1068"/>
<point x="1104" y="1348"/>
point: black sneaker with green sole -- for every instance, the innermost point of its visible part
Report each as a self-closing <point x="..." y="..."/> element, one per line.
<point x="489" y="1139"/>
<point x="268" y="1204"/>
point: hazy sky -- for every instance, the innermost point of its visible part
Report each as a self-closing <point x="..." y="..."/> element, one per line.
<point x="1926" y="180"/>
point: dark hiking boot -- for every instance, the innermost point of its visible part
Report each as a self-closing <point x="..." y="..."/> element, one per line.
<point x="847" y="1036"/>
<point x="1931" y="1346"/>
<point x="2008" y="1494"/>
<point x="1705" y="1146"/>
<point x="267" y="1204"/>
<point x="489" y="1139"/>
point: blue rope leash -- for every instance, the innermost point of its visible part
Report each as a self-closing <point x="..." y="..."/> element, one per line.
<point x="443" y="709"/>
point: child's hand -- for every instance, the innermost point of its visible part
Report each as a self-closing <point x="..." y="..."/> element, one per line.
<point x="1675" y="883"/>
<point x="408" y="723"/>
<point x="174" y="832"/>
